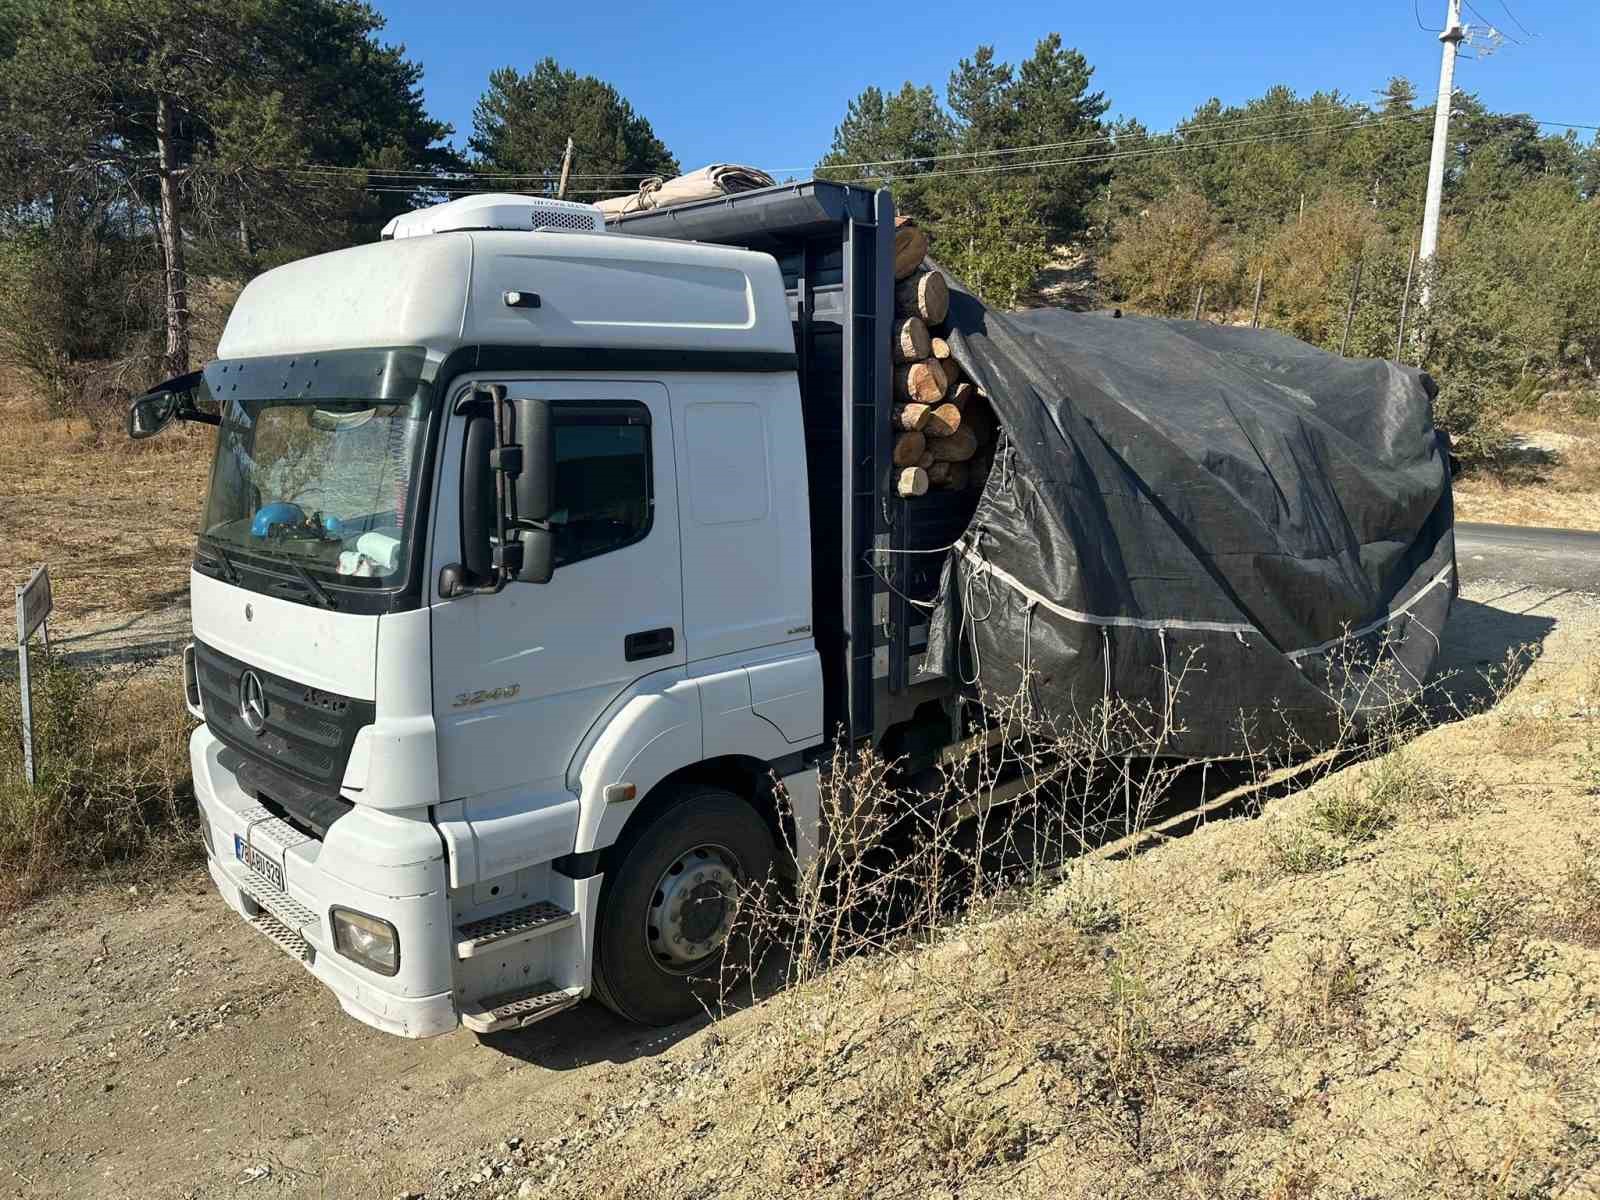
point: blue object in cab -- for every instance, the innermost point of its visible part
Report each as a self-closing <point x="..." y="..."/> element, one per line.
<point x="279" y="512"/>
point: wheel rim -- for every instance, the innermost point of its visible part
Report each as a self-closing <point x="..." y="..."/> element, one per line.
<point x="691" y="910"/>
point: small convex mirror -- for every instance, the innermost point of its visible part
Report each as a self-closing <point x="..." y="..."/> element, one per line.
<point x="151" y="413"/>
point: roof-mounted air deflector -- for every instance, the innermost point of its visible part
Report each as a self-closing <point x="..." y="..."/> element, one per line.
<point x="497" y="211"/>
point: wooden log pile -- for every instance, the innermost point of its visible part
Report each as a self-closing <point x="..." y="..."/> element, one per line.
<point x="944" y="427"/>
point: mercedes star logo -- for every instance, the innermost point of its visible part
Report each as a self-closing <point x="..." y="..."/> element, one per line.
<point x="252" y="702"/>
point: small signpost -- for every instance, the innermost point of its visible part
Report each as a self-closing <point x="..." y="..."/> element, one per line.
<point x="33" y="610"/>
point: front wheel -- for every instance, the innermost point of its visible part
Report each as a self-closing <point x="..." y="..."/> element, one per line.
<point x="667" y="906"/>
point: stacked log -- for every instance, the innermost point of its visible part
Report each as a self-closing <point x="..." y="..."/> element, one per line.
<point x="943" y="425"/>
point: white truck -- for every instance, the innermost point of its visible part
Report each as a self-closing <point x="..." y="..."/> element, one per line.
<point x="534" y="555"/>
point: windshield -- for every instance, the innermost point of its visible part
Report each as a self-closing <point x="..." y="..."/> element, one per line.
<point x="324" y="484"/>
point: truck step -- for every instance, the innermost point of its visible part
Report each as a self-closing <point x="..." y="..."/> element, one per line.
<point x="537" y="919"/>
<point x="512" y="1010"/>
<point x="267" y="895"/>
<point x="286" y="938"/>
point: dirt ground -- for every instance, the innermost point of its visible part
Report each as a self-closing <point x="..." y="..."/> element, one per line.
<point x="115" y="521"/>
<point x="1310" y="1035"/>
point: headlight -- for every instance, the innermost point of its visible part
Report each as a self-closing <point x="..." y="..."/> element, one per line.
<point x="366" y="940"/>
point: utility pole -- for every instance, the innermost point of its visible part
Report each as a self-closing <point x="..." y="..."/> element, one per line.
<point x="566" y="170"/>
<point x="1451" y="37"/>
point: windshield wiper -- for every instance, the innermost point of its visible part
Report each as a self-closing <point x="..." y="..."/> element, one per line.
<point x="318" y="592"/>
<point x="229" y="571"/>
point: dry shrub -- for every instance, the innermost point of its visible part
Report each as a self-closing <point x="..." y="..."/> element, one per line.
<point x="1310" y="264"/>
<point x="1578" y="895"/>
<point x="1468" y="904"/>
<point x="1174" y="249"/>
<point x="113" y="786"/>
<point x="1325" y="999"/>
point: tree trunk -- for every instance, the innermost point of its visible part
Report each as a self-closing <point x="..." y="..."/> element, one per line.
<point x="958" y="447"/>
<point x="909" y="448"/>
<point x="177" y="358"/>
<point x="910" y="248"/>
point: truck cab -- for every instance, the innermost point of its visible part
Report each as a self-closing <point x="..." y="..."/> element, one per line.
<point x="505" y="649"/>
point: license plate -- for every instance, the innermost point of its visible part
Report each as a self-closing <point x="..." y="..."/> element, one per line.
<point x="258" y="862"/>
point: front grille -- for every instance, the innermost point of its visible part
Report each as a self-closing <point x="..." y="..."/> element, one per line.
<point x="308" y="732"/>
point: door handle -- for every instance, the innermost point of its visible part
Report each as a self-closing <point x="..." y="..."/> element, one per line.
<point x="651" y="643"/>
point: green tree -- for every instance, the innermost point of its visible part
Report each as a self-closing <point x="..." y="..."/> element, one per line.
<point x="1055" y="108"/>
<point x="990" y="238"/>
<point x="898" y="136"/>
<point x="188" y="120"/>
<point x="522" y="123"/>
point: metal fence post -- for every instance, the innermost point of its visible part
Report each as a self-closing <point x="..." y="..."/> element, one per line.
<point x="1405" y="303"/>
<point x="1255" y="308"/>
<point x="1199" y="296"/>
<point x="1350" y="311"/>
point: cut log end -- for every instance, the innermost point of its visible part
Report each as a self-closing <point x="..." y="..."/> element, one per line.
<point x="920" y="382"/>
<point x="912" y="416"/>
<point x="921" y="293"/>
<point x="911" y="340"/>
<point x="944" y="420"/>
<point x="912" y="481"/>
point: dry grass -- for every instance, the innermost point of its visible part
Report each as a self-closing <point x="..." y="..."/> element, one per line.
<point x="115" y="521"/>
<point x="1550" y="475"/>
<point x="1413" y="1017"/>
<point x="111" y="750"/>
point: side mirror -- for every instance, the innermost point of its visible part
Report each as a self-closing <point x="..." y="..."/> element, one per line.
<point x="149" y="414"/>
<point x="173" y="400"/>
<point x="478" y="519"/>
<point x="506" y="484"/>
<point x="530" y="480"/>
<point x="534" y="482"/>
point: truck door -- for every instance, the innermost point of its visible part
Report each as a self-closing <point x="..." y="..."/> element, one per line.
<point x="519" y="677"/>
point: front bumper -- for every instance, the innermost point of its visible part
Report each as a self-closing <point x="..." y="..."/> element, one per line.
<point x="385" y="864"/>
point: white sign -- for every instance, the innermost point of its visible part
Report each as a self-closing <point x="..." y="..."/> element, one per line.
<point x="33" y="607"/>
<point x="33" y="603"/>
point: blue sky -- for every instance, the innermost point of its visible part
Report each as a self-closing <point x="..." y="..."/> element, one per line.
<point x="749" y="82"/>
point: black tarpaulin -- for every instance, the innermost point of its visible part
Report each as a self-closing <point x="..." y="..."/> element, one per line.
<point x="1226" y="521"/>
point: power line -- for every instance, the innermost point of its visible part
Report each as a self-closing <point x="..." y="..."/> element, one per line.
<point x="1518" y="23"/>
<point x="1492" y="29"/>
<point x="465" y="183"/>
<point x="1155" y="151"/>
<point x="1416" y="11"/>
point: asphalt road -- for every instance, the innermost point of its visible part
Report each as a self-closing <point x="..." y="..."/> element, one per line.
<point x="1558" y="558"/>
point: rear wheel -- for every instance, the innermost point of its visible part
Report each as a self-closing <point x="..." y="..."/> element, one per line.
<point x="667" y="906"/>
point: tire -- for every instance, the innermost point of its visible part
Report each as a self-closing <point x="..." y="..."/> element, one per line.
<point x="636" y="974"/>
